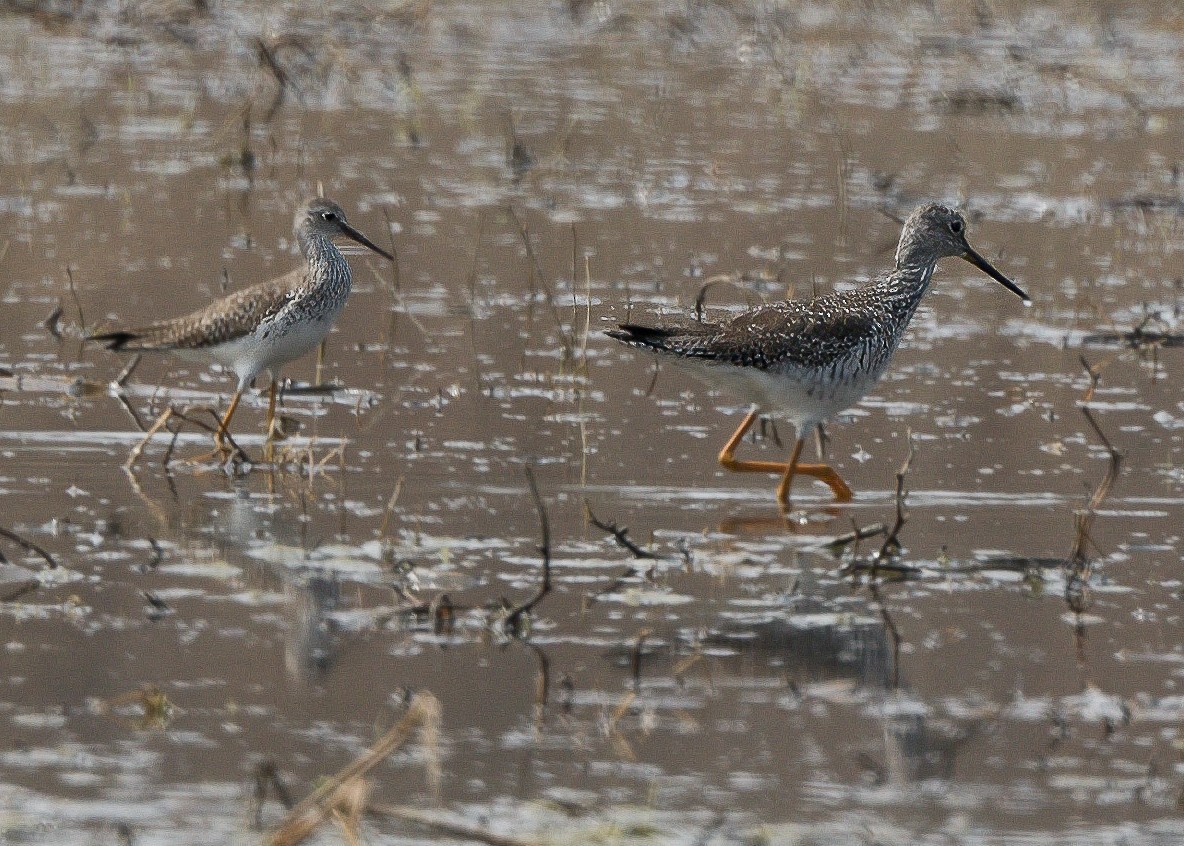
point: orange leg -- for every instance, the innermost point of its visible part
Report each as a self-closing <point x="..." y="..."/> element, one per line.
<point x="791" y="468"/>
<point x="822" y="472"/>
<point x="727" y="455"/>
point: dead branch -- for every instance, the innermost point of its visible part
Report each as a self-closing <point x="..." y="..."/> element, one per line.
<point x="524" y="234"/>
<point x="127" y="371"/>
<point x="19" y="589"/>
<point x="74" y="295"/>
<point x="883" y="559"/>
<point x="732" y="279"/>
<point x="268" y="59"/>
<point x="52" y="323"/>
<point x="620" y="534"/>
<point x="635" y="656"/>
<point x="612" y="587"/>
<point x="267" y="778"/>
<point x="138" y="449"/>
<point x="390" y="234"/>
<point x="857" y="533"/>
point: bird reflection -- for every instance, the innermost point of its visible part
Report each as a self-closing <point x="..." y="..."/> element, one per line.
<point x="245" y="527"/>
<point x="861" y="653"/>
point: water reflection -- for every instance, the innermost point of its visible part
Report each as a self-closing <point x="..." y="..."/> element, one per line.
<point x="816" y="647"/>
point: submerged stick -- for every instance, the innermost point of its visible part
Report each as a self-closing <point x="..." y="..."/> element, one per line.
<point x="514" y="617"/>
<point x="1078" y="564"/>
<point x="29" y="546"/>
<point x="524" y="234"/>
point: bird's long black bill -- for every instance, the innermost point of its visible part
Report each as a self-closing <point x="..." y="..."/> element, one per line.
<point x="354" y="234"/>
<point x="987" y="268"/>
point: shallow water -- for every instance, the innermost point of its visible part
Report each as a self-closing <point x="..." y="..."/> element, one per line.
<point x="739" y="687"/>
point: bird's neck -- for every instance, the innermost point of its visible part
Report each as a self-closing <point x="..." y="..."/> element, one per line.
<point x="903" y="288"/>
<point x="326" y="264"/>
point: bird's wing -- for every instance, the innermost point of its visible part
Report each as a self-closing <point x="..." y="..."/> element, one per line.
<point x="223" y="320"/>
<point x="807" y="334"/>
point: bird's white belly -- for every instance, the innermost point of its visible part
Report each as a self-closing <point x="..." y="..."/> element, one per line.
<point x="802" y="400"/>
<point x="272" y="345"/>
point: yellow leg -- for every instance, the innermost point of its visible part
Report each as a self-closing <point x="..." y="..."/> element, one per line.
<point x="822" y="472"/>
<point x="224" y="423"/>
<point x="271" y="427"/>
<point x="222" y="449"/>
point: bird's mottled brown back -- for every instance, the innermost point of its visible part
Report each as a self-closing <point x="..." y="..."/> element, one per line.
<point x="223" y="320"/>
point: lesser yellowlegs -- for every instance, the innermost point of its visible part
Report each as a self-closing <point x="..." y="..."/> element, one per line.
<point x="810" y="360"/>
<point x="266" y="325"/>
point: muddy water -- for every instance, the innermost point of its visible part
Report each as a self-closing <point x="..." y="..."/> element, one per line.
<point x="739" y="687"/>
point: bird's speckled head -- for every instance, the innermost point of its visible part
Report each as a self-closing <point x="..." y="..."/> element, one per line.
<point x="935" y="231"/>
<point x="932" y="231"/>
<point x="321" y="216"/>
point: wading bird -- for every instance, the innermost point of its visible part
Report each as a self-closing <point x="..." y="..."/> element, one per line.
<point x="809" y="360"/>
<point x="266" y="325"/>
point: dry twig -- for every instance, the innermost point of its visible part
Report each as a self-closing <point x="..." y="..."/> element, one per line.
<point x="313" y="810"/>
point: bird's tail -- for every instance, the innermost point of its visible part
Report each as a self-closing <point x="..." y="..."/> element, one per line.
<point x="680" y="340"/>
<point x="654" y="337"/>
<point x="119" y="340"/>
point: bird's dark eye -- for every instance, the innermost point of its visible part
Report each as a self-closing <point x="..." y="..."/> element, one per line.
<point x="329" y="215"/>
<point x="956" y="226"/>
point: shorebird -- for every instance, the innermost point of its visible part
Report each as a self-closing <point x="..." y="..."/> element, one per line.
<point x="809" y="360"/>
<point x="266" y="325"/>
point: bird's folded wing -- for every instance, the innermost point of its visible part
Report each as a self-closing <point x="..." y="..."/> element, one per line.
<point x="223" y="320"/>
<point x="806" y="334"/>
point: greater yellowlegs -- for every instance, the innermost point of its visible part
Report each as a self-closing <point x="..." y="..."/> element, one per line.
<point x="266" y="325"/>
<point x="810" y="360"/>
